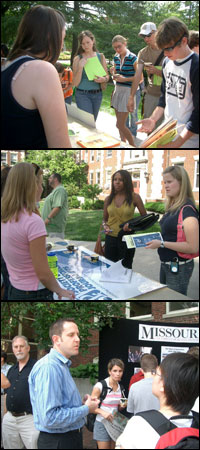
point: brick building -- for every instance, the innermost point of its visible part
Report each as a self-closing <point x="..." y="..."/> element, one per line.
<point x="145" y="167"/>
<point x="11" y="157"/>
<point x="175" y="312"/>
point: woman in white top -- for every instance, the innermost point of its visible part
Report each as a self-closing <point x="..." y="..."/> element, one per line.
<point x="109" y="405"/>
<point x="176" y="384"/>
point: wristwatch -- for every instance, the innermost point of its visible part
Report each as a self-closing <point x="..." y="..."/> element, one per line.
<point x="162" y="245"/>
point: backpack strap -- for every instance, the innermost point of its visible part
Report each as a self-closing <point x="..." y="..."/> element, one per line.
<point x="104" y="391"/>
<point x="158" y="421"/>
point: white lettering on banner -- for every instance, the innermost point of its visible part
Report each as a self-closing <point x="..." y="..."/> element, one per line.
<point x="168" y="334"/>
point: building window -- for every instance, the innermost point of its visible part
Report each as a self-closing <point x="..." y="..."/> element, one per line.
<point x="92" y="155"/>
<point x="98" y="178"/>
<point x="98" y="155"/>
<point x="180" y="306"/>
<point x="109" y="154"/>
<point x="91" y="177"/>
<point x="86" y="156"/>
<point x="3" y="158"/>
<point x="196" y="181"/>
<point x="138" y="309"/>
<point x="14" y="158"/>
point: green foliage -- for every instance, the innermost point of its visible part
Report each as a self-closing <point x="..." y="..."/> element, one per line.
<point x="158" y="207"/>
<point x="45" y="313"/>
<point x="90" y="191"/>
<point x="89" y="370"/>
<point x="73" y="202"/>
<point x="63" y="162"/>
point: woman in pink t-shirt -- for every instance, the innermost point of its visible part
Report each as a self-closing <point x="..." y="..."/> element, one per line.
<point x="23" y="239"/>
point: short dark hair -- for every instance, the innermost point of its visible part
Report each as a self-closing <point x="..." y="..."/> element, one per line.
<point x="57" y="327"/>
<point x="148" y="362"/>
<point x="180" y="373"/>
<point x="57" y="176"/>
<point x="115" y="362"/>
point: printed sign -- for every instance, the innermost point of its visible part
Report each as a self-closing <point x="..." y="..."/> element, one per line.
<point x="152" y="332"/>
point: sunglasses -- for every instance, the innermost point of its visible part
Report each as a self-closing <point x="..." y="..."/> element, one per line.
<point x="146" y="35"/>
<point x="169" y="49"/>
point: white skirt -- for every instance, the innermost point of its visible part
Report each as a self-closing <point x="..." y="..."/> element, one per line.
<point x="120" y="98"/>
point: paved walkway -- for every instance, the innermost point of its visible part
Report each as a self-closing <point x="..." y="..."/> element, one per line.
<point x="147" y="263"/>
<point x="107" y="123"/>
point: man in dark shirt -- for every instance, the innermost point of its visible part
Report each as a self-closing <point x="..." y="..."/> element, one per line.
<point x="18" y="426"/>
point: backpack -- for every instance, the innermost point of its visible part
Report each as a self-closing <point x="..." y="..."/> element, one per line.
<point x="91" y="417"/>
<point x="181" y="235"/>
<point x="171" y="436"/>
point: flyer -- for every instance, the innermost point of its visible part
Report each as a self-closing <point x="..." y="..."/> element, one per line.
<point x="140" y="240"/>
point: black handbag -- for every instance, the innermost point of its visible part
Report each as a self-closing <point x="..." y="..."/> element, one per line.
<point x="139" y="223"/>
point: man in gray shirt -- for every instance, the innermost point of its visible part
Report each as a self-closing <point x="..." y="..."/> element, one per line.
<point x="140" y="395"/>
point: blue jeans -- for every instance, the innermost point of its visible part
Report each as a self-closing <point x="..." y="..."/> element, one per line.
<point x="177" y="281"/>
<point x="17" y="294"/>
<point x="89" y="102"/>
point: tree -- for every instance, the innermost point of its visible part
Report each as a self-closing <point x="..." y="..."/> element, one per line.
<point x="45" y="313"/>
<point x="91" y="191"/>
<point x="63" y="162"/>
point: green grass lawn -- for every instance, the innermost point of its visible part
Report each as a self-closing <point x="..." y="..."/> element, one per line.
<point x="85" y="225"/>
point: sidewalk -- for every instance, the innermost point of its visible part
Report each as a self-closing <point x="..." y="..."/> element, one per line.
<point x="107" y="123"/>
<point x="147" y="262"/>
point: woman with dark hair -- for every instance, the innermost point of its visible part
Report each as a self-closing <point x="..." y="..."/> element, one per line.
<point x="176" y="385"/>
<point x="119" y="207"/>
<point x="34" y="114"/>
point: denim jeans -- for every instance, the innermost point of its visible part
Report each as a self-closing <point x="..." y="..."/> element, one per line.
<point x="177" y="281"/>
<point x="89" y="102"/>
<point x="17" y="294"/>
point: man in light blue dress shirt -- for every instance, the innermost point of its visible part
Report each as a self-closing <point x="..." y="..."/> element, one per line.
<point x="58" y="411"/>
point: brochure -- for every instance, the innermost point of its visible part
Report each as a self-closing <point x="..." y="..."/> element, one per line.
<point x="140" y="240"/>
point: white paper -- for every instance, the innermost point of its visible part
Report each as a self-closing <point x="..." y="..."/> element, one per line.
<point x="117" y="273"/>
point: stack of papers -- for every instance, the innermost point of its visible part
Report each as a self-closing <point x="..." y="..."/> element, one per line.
<point x="116" y="274"/>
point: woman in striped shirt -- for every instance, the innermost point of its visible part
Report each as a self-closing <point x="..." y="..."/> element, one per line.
<point x="109" y="404"/>
<point x="125" y="65"/>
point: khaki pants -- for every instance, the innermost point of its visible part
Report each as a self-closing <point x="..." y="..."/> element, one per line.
<point x="19" y="432"/>
<point x="150" y="103"/>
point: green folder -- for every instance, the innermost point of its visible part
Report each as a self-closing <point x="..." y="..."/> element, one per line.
<point x="94" y="69"/>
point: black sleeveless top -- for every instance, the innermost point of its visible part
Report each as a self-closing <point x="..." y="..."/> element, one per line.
<point x="22" y="128"/>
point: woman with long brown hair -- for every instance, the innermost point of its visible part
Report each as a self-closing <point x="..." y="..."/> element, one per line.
<point x="34" y="114"/>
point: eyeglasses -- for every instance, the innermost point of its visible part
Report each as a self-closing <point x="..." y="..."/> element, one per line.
<point x="169" y="49"/>
<point x="154" y="372"/>
<point x="36" y="167"/>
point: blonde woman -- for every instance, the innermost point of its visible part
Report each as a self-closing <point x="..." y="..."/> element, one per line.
<point x="176" y="270"/>
<point x="23" y="239"/>
<point x="125" y="66"/>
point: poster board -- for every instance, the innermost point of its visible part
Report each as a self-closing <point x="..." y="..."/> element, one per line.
<point x="78" y="273"/>
<point x="116" y="342"/>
